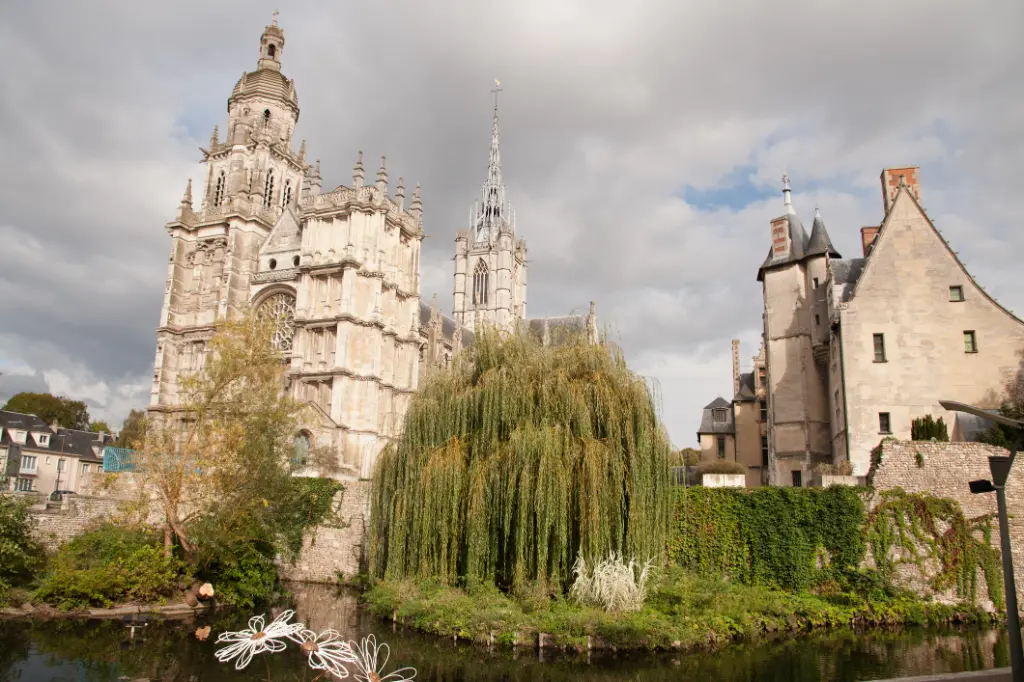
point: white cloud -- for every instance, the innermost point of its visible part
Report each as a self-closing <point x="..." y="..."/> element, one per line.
<point x="608" y="110"/>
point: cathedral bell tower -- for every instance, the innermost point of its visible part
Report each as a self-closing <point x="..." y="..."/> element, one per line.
<point x="490" y="263"/>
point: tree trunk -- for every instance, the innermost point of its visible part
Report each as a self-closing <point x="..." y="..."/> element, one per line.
<point x="168" y="541"/>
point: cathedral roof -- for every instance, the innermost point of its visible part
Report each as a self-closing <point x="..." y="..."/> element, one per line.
<point x="558" y="329"/>
<point x="265" y="83"/>
<point x="447" y="325"/>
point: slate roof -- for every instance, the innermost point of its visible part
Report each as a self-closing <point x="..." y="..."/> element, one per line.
<point x="708" y="425"/>
<point x="819" y="243"/>
<point x="63" y="441"/>
<point x="845" y="274"/>
<point x="746" y="392"/>
<point x="802" y="245"/>
<point x="447" y="325"/>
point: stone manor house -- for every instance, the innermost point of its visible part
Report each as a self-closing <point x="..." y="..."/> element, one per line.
<point x="854" y="349"/>
<point x="337" y="271"/>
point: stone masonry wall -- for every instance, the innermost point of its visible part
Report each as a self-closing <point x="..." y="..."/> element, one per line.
<point x="56" y="525"/>
<point x="329" y="550"/>
<point x="945" y="471"/>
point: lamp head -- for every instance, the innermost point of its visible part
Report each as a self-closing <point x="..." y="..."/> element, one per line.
<point x="982" y="486"/>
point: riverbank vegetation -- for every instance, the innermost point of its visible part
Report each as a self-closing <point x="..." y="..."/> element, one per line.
<point x="215" y="479"/>
<point x="682" y="611"/>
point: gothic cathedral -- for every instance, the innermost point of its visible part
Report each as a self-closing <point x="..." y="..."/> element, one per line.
<point x="337" y="271"/>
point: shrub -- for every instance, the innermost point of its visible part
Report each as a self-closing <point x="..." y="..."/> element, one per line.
<point x="843" y="468"/>
<point x="721" y="466"/>
<point x="927" y="428"/>
<point x="20" y="554"/>
<point x="109" y="565"/>
<point x="612" y="584"/>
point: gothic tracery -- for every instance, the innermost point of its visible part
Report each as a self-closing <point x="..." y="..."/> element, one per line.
<point x="280" y="310"/>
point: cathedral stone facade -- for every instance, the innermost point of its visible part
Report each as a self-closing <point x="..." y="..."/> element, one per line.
<point x="337" y="271"/>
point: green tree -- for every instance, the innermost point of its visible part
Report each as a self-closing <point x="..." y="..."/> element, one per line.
<point x="71" y="414"/>
<point x="133" y="431"/>
<point x="1012" y="406"/>
<point x="926" y="428"/>
<point x="220" y="469"/>
<point x="518" y="459"/>
<point x="20" y="553"/>
<point x="99" y="427"/>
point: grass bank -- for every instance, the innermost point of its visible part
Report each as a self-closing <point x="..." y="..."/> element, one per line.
<point x="682" y="612"/>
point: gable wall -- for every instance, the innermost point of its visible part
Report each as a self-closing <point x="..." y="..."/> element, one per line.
<point x="904" y="294"/>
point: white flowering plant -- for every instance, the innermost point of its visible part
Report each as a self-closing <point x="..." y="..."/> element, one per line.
<point x="325" y="651"/>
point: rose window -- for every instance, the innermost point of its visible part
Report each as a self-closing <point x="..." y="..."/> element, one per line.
<point x="280" y="310"/>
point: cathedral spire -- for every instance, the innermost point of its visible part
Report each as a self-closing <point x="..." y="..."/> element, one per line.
<point x="493" y="209"/>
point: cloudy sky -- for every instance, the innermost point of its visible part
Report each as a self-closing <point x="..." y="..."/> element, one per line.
<point x="642" y="144"/>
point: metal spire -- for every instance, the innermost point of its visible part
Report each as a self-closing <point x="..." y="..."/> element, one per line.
<point x="786" y="191"/>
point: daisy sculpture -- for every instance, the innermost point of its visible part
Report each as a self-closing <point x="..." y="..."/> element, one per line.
<point x="325" y="651"/>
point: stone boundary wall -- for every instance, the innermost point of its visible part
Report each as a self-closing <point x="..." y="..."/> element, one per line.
<point x="56" y="525"/>
<point x="329" y="550"/>
<point x="944" y="470"/>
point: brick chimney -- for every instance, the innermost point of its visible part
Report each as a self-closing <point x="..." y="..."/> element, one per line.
<point x="735" y="366"/>
<point x="780" y="238"/>
<point x="891" y="178"/>
<point x="867" y="235"/>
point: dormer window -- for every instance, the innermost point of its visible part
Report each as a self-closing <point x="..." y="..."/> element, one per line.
<point x="43" y="439"/>
<point x="18" y="436"/>
<point x="718" y="414"/>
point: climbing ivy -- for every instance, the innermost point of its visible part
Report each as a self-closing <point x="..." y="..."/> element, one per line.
<point x="792" y="538"/>
<point x="913" y="528"/>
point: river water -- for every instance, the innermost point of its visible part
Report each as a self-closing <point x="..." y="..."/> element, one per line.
<point x="169" y="651"/>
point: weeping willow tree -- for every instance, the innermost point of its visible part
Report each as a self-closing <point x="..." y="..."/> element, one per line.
<point x="517" y="460"/>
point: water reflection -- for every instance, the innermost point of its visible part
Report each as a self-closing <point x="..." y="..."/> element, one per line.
<point x="101" y="651"/>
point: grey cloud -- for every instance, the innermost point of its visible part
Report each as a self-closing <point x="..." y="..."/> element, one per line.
<point x="608" y="108"/>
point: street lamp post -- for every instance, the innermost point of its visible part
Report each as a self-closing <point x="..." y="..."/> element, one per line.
<point x="1000" y="468"/>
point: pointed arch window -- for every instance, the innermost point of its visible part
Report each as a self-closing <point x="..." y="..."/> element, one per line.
<point x="287" y="194"/>
<point x="218" y="189"/>
<point x="268" y="190"/>
<point x="481" y="279"/>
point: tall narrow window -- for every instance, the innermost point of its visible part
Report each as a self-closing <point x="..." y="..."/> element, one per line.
<point x="271" y="50"/>
<point x="798" y="479"/>
<point x="884" y="424"/>
<point x="287" y="194"/>
<point x="268" y="190"/>
<point x="764" y="451"/>
<point x="480" y="283"/>
<point x="764" y="410"/>
<point x="721" y="447"/>
<point x="815" y="282"/>
<point x="218" y="189"/>
<point x="879" y="347"/>
<point x="970" y="342"/>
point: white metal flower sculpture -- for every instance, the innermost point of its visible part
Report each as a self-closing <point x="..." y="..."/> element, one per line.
<point x="258" y="638"/>
<point x="366" y="659"/>
<point x="326" y="651"/>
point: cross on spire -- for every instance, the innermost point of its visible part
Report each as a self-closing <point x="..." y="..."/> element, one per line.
<point x="496" y="90"/>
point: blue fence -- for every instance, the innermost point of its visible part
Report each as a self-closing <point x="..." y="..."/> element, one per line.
<point x="116" y="460"/>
